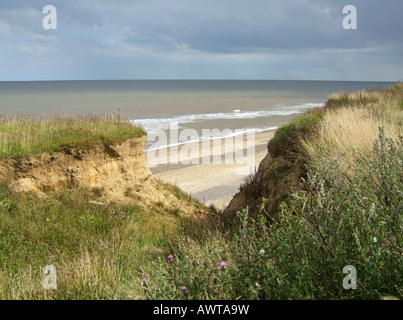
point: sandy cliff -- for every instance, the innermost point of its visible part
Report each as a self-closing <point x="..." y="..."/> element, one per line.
<point x="274" y="179"/>
<point x="117" y="172"/>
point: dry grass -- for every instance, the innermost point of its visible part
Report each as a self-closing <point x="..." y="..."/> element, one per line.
<point x="350" y="130"/>
<point x="98" y="251"/>
<point x="105" y="252"/>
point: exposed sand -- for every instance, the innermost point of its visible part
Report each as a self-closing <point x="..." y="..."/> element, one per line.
<point x="212" y="184"/>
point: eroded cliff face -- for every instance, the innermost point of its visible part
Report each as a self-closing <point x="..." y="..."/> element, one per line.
<point x="118" y="172"/>
<point x="275" y="179"/>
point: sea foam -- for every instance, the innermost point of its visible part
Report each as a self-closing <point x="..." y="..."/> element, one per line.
<point x="149" y="124"/>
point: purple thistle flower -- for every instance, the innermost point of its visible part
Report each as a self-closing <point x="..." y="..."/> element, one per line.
<point x="170" y="257"/>
<point x="223" y="264"/>
<point x="183" y="288"/>
<point x="144" y="280"/>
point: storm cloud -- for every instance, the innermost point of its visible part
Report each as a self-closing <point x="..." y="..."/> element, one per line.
<point x="201" y="39"/>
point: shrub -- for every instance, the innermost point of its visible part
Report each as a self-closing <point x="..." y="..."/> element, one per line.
<point x="336" y="221"/>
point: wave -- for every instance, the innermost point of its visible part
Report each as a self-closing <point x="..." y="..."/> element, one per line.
<point x="164" y="123"/>
<point x="221" y="135"/>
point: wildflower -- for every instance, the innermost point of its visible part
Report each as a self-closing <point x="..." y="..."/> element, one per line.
<point x="375" y="239"/>
<point x="262" y="252"/>
<point x="223" y="264"/>
<point x="183" y="288"/>
<point x="144" y="280"/>
<point x="170" y="257"/>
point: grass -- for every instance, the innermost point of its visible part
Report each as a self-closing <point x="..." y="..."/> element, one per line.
<point x="24" y="135"/>
<point x="342" y="217"/>
<point x="98" y="251"/>
<point x="285" y="140"/>
<point x="350" y="212"/>
<point x="336" y="222"/>
<point x="347" y="118"/>
<point x="350" y="126"/>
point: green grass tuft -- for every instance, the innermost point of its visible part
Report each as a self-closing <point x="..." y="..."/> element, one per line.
<point x="24" y="135"/>
<point x="286" y="137"/>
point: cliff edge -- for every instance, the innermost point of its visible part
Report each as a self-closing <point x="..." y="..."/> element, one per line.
<point x="275" y="178"/>
<point x="118" y="173"/>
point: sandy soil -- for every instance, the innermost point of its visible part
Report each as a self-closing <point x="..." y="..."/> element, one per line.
<point x="212" y="184"/>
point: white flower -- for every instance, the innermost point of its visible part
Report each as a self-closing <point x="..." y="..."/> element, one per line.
<point x="262" y="252"/>
<point x="375" y="239"/>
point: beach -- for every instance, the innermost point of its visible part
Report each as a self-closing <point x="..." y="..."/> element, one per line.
<point x="193" y="106"/>
<point x="212" y="184"/>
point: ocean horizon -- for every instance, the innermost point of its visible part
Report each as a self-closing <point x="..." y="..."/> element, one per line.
<point x="244" y="105"/>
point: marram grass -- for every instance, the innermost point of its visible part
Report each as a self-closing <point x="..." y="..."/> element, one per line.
<point x="351" y="123"/>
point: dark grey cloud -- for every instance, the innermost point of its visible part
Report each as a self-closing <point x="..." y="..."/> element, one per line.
<point x="202" y="38"/>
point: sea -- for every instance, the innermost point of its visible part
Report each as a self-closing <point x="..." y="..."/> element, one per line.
<point x="231" y="106"/>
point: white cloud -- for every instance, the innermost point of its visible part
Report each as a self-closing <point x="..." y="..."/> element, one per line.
<point x="128" y="32"/>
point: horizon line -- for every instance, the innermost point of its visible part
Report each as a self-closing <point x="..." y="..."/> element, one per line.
<point x="203" y="79"/>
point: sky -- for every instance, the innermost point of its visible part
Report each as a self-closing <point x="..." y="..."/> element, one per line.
<point x="201" y="39"/>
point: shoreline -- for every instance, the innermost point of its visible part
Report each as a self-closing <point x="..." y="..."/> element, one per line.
<point x="212" y="184"/>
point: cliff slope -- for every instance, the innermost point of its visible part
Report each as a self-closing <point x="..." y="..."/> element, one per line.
<point x="118" y="173"/>
<point x="275" y="178"/>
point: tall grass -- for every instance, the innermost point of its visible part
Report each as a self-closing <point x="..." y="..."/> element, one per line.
<point x="350" y="125"/>
<point x="24" y="135"/>
<point x="98" y="251"/>
<point x="285" y="140"/>
<point x="349" y="213"/>
<point x="336" y="222"/>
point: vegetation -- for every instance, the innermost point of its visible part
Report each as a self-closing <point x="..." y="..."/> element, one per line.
<point x="285" y="141"/>
<point x="99" y="251"/>
<point x="335" y="222"/>
<point x="350" y="129"/>
<point x="350" y="212"/>
<point x="24" y="135"/>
